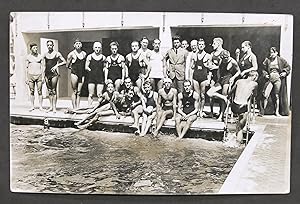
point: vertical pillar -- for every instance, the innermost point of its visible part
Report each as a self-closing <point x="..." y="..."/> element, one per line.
<point x="286" y="45"/>
<point x="165" y="35"/>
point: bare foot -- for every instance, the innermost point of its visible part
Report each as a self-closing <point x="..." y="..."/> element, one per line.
<point x="48" y="110"/>
<point x="81" y="127"/>
<point x="31" y="109"/>
<point x="277" y="114"/>
<point x="155" y="133"/>
<point x="41" y="109"/>
<point x="54" y="111"/>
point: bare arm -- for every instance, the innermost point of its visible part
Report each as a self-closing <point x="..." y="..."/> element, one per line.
<point x="87" y="63"/>
<point x="69" y="60"/>
<point x="62" y="59"/>
<point x="180" y="111"/>
<point x="174" y="103"/>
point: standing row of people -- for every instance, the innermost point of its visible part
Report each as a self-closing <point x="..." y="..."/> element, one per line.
<point x="210" y="74"/>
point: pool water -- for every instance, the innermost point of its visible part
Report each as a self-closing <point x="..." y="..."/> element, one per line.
<point x="68" y="160"/>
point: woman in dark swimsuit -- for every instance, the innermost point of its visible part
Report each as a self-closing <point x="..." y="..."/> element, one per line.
<point x="76" y="62"/>
<point x="51" y="61"/>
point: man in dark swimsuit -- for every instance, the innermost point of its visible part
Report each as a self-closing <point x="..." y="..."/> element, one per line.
<point x="76" y="62"/>
<point x="248" y="62"/>
<point x="200" y="74"/>
<point x="166" y="104"/>
<point x="134" y="68"/>
<point x="228" y="72"/>
<point x="95" y="64"/>
<point x="135" y="106"/>
<point x="51" y="61"/>
<point x="242" y="90"/>
<point x="188" y="105"/>
<point x="115" y="67"/>
<point x="149" y="103"/>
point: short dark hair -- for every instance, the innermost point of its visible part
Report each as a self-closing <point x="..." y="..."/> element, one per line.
<point x="50" y="41"/>
<point x="114" y="43"/>
<point x="144" y="38"/>
<point x="32" y="45"/>
<point x="176" y="37"/>
<point x="135" y="41"/>
<point x="187" y="81"/>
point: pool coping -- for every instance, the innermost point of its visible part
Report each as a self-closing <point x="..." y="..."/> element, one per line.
<point x="234" y="177"/>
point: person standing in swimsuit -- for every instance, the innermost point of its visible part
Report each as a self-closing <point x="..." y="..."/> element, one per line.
<point x="134" y="68"/>
<point x="34" y="74"/>
<point x="115" y="68"/>
<point x="184" y="44"/>
<point x="228" y="72"/>
<point x="149" y="103"/>
<point x="188" y="102"/>
<point x="157" y="68"/>
<point x="188" y="71"/>
<point x="52" y="60"/>
<point x="166" y="104"/>
<point x="94" y="65"/>
<point x="76" y="62"/>
<point x="200" y="74"/>
<point x="248" y="62"/>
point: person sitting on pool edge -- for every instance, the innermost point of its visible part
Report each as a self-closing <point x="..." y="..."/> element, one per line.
<point x="243" y="90"/>
<point x="149" y="103"/>
<point x="166" y="104"/>
<point x="107" y="107"/>
<point x="188" y="106"/>
<point x="135" y="105"/>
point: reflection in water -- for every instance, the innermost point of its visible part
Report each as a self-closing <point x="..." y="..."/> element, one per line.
<point x="83" y="161"/>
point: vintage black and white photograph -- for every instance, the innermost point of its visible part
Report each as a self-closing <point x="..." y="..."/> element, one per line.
<point x="150" y="103"/>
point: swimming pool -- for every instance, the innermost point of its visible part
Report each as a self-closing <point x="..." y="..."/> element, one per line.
<point x="68" y="160"/>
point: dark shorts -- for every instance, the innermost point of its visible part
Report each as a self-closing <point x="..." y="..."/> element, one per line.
<point x="238" y="109"/>
<point x="225" y="79"/>
<point x="79" y="73"/>
<point x="95" y="78"/>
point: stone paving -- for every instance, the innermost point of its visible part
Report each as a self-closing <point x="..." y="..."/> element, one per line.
<point x="268" y="167"/>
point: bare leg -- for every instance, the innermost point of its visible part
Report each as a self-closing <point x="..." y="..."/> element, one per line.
<point x="136" y="116"/>
<point x="100" y="88"/>
<point x="149" y="122"/>
<point x="118" y="84"/>
<point x="178" y="125"/>
<point x="91" y="88"/>
<point x="162" y="120"/>
<point x="240" y="125"/>
<point x="223" y="103"/>
<point x="32" y="90"/>
<point x="54" y="88"/>
<point x="96" y="117"/>
<point x="144" y="122"/>
<point x="277" y="105"/>
<point x="80" y="84"/>
<point x="40" y="97"/>
<point x="187" y="126"/>
<point x="74" y="84"/>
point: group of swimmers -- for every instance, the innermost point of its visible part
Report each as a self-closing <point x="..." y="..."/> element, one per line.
<point x="157" y="86"/>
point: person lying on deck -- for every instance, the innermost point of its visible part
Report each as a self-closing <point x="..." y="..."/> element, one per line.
<point x="166" y="108"/>
<point x="108" y="107"/>
<point x="188" y="106"/>
<point x="242" y="90"/>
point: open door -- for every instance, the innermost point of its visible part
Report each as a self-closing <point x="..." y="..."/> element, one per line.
<point x="43" y="43"/>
